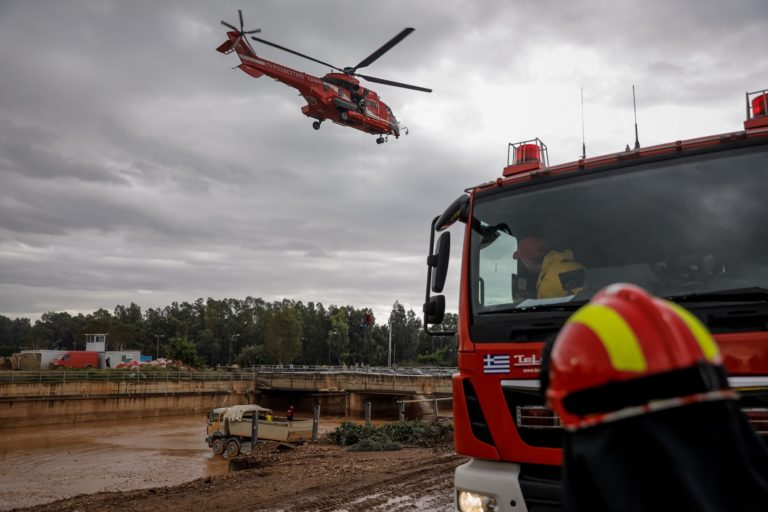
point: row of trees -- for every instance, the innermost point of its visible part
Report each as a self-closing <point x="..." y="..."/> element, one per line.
<point x="250" y="331"/>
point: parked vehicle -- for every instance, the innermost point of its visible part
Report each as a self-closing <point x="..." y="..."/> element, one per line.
<point x="76" y="359"/>
<point x="229" y="427"/>
<point x="684" y="220"/>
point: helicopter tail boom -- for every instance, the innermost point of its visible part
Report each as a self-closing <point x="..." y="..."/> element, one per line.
<point x="236" y="43"/>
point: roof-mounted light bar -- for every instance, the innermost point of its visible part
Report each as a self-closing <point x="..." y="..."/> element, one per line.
<point x="528" y="155"/>
<point x="757" y="110"/>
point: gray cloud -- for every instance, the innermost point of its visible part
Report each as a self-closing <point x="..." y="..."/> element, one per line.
<point x="136" y="165"/>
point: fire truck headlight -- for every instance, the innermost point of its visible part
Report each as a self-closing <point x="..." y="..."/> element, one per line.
<point x="475" y="502"/>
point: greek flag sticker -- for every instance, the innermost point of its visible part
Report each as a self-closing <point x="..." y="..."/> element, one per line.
<point x="496" y="363"/>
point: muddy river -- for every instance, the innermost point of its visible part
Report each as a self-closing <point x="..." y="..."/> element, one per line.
<point x="48" y="463"/>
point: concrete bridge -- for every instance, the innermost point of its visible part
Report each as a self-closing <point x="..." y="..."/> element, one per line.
<point x="344" y="391"/>
<point x="403" y="381"/>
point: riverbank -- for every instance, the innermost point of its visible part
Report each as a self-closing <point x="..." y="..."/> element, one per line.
<point x="312" y="477"/>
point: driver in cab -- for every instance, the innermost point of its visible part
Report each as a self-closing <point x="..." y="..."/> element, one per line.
<point x="550" y="265"/>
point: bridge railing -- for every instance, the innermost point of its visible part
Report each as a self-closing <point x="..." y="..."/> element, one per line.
<point x="431" y="371"/>
<point x="249" y="374"/>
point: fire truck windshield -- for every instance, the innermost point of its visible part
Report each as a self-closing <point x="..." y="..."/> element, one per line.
<point x="678" y="227"/>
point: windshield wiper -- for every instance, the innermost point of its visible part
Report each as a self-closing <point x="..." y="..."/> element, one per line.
<point x="753" y="294"/>
<point x="560" y="306"/>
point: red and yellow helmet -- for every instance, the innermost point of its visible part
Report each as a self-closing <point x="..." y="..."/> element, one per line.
<point x="627" y="352"/>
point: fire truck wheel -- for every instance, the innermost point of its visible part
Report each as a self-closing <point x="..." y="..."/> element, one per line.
<point x="233" y="448"/>
<point x="343" y="116"/>
<point x="316" y="125"/>
<point x="218" y="446"/>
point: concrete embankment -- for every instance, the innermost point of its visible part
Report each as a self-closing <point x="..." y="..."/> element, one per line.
<point x="49" y="399"/>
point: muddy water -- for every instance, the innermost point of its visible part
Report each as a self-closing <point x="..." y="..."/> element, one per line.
<point x="48" y="463"/>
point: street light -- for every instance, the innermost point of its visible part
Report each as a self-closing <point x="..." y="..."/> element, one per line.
<point x="231" y="342"/>
<point x="329" y="346"/>
<point x="157" y="345"/>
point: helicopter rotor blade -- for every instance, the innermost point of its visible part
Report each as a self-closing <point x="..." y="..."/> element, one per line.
<point x="241" y="30"/>
<point x="384" y="49"/>
<point x="229" y="26"/>
<point x="394" y="84"/>
<point x="295" y="53"/>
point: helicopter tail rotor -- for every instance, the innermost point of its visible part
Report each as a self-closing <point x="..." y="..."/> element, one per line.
<point x="241" y="31"/>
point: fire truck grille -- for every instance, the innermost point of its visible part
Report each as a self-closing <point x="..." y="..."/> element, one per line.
<point x="536" y="425"/>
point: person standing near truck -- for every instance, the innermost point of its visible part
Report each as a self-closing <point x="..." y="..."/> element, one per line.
<point x="289" y="414"/>
<point x="650" y="420"/>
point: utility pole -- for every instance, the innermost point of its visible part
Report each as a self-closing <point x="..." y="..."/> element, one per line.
<point x="157" y="345"/>
<point x="389" y="357"/>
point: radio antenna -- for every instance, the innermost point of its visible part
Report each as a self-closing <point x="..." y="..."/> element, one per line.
<point x="634" y="105"/>
<point x="583" y="139"/>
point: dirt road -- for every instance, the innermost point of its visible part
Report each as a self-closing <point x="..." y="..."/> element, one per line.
<point x="314" y="477"/>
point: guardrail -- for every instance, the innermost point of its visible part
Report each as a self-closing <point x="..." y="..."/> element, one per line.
<point x="62" y="376"/>
<point x="432" y="371"/>
<point x="249" y="374"/>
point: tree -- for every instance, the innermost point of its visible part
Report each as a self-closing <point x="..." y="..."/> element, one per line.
<point x="338" y="336"/>
<point x="181" y="349"/>
<point x="251" y="355"/>
<point x="397" y="324"/>
<point x="315" y="324"/>
<point x="15" y="333"/>
<point x="282" y="337"/>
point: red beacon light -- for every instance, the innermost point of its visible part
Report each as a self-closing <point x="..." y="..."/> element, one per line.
<point x="528" y="154"/>
<point x="757" y="110"/>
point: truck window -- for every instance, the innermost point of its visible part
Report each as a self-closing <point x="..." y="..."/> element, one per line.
<point x="676" y="227"/>
<point x="497" y="270"/>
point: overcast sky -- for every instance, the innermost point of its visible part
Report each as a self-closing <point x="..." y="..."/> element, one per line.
<point x="137" y="166"/>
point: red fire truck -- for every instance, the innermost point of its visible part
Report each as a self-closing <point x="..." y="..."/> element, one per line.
<point x="686" y="221"/>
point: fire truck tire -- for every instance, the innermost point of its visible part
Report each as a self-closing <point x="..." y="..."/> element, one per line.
<point x="233" y="448"/>
<point x="316" y="125"/>
<point x="218" y="446"/>
<point x="343" y="116"/>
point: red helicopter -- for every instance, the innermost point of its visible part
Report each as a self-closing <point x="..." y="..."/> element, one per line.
<point x="336" y="96"/>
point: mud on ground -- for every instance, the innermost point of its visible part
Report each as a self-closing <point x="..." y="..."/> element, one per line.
<point x="312" y="477"/>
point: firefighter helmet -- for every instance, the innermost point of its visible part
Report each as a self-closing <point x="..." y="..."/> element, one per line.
<point x="627" y="351"/>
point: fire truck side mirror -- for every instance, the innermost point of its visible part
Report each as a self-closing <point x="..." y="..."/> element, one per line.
<point x="440" y="262"/>
<point x="434" y="310"/>
<point x="458" y="210"/>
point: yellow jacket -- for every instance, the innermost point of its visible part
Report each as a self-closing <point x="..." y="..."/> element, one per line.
<point x="555" y="262"/>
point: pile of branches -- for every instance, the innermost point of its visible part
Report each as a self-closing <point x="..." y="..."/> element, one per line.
<point x="392" y="436"/>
